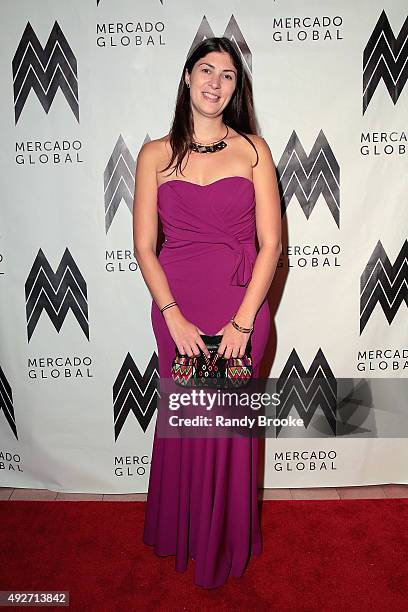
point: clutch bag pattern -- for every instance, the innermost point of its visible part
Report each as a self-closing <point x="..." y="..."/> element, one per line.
<point x="212" y="371"/>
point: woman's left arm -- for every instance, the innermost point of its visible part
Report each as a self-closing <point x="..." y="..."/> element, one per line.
<point x="268" y="229"/>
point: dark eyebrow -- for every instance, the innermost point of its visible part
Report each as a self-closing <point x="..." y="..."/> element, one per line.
<point x="225" y="70"/>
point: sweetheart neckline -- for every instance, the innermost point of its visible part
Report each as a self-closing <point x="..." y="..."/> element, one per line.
<point x="224" y="178"/>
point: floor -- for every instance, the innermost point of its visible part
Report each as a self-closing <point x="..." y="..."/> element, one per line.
<point x="363" y="492"/>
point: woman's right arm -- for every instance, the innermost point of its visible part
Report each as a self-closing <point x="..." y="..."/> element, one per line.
<point x="145" y="227"/>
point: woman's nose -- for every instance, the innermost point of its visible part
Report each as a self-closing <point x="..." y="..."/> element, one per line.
<point x="215" y="81"/>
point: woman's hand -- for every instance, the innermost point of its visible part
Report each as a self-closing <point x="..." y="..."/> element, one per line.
<point x="185" y="334"/>
<point x="233" y="342"/>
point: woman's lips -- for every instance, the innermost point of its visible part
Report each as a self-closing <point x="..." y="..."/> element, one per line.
<point x="210" y="97"/>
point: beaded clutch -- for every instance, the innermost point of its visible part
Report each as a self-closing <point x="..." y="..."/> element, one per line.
<point x="212" y="371"/>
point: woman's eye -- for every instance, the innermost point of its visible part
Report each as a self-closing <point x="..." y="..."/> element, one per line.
<point x="228" y="76"/>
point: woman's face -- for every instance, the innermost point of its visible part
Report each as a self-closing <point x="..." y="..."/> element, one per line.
<point x="212" y="82"/>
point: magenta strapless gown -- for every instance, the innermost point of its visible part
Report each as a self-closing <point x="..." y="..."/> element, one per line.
<point x="202" y="498"/>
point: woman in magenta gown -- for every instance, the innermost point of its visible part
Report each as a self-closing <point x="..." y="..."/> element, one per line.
<point x="202" y="499"/>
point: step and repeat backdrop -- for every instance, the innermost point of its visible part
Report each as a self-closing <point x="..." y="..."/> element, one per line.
<point x="84" y="84"/>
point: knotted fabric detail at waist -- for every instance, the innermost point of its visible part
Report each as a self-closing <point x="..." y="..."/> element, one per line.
<point x="242" y="270"/>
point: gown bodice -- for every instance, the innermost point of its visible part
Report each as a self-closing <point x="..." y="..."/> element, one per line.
<point x="220" y="214"/>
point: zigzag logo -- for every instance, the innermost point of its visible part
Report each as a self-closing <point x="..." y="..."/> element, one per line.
<point x="308" y="176"/>
<point x="384" y="283"/>
<point x="233" y="32"/>
<point x="56" y="293"/>
<point x="44" y="70"/>
<point x="119" y="180"/>
<point x="385" y="57"/>
<point x="6" y="403"/>
<point x="135" y="392"/>
<point x="307" y="391"/>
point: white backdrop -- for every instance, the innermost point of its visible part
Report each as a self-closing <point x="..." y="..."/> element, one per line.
<point x="84" y="85"/>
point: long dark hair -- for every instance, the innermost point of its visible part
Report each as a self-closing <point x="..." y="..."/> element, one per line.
<point x="238" y="114"/>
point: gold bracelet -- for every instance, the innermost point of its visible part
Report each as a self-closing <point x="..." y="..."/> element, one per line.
<point x="245" y="330"/>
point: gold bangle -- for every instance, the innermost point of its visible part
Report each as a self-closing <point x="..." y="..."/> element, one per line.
<point x="245" y="330"/>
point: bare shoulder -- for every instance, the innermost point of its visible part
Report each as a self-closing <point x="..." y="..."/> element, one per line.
<point x="259" y="150"/>
<point x="154" y="152"/>
<point x="153" y="148"/>
<point x="259" y="142"/>
<point x="254" y="138"/>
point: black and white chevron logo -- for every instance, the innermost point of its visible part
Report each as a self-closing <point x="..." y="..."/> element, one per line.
<point x="384" y="283"/>
<point x="6" y="402"/>
<point x="233" y="32"/>
<point x="385" y="57"/>
<point x="56" y="293"/>
<point x="135" y="392"/>
<point x="308" y="176"/>
<point x="119" y="180"/>
<point x="306" y="392"/>
<point x="45" y="70"/>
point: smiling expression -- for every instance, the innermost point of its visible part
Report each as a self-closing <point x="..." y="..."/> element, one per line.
<point x="212" y="82"/>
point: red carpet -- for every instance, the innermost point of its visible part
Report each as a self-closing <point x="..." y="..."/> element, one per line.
<point x="318" y="555"/>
